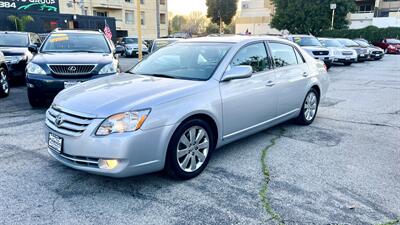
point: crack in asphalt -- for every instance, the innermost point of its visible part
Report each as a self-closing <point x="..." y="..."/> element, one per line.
<point x="265" y="170"/>
<point x="361" y="123"/>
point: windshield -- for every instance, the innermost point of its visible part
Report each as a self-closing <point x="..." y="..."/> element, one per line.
<point x="193" y="61"/>
<point x="79" y="42"/>
<point x="130" y="40"/>
<point x="362" y="43"/>
<point x="331" y="43"/>
<point x="13" y="40"/>
<point x="348" y="43"/>
<point x="393" y="41"/>
<point x="161" y="44"/>
<point x="307" y="41"/>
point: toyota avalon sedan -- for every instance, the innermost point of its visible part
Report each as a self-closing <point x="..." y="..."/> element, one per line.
<point x="172" y="110"/>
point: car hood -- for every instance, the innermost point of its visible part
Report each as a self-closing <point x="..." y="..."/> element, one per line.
<point x="13" y="50"/>
<point x="314" y="48"/>
<point x="72" y="58"/>
<point x="134" y="46"/>
<point x="121" y="93"/>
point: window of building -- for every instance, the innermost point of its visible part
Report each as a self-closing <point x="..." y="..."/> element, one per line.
<point x="142" y="19"/>
<point x="283" y="54"/>
<point x="129" y="17"/>
<point x="128" y="1"/>
<point x="162" y="2"/>
<point x="141" y="1"/>
<point x="163" y="19"/>
<point x="100" y="13"/>
<point x="365" y="8"/>
<point x="254" y="55"/>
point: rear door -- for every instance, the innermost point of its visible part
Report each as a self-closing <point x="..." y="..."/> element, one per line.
<point x="291" y="76"/>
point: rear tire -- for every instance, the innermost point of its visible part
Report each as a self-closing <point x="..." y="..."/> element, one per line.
<point x="34" y="100"/>
<point x="4" y="83"/>
<point x="309" y="109"/>
<point x="189" y="150"/>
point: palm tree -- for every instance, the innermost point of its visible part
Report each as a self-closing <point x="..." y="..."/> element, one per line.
<point x="20" y="22"/>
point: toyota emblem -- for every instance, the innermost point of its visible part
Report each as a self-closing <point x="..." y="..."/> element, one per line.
<point x="59" y="120"/>
<point x="72" y="68"/>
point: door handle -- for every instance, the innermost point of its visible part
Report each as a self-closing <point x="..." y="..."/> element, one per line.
<point x="270" y="83"/>
<point x="305" y="74"/>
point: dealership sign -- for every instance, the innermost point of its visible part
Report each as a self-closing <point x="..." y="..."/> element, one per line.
<point x="30" y="5"/>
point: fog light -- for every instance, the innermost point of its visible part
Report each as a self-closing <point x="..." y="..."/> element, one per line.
<point x="108" y="164"/>
<point x="30" y="85"/>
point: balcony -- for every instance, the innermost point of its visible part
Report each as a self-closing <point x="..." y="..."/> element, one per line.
<point x="110" y="4"/>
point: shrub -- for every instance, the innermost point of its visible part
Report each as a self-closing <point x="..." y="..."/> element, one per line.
<point x="370" y="33"/>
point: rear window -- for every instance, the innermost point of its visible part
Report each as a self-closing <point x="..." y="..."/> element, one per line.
<point x="283" y="54"/>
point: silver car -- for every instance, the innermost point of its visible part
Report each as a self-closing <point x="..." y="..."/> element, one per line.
<point x="342" y="54"/>
<point x="173" y="109"/>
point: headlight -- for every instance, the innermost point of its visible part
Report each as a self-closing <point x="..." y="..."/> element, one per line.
<point x="123" y="122"/>
<point x="109" y="68"/>
<point x="35" y="69"/>
<point x="14" y="59"/>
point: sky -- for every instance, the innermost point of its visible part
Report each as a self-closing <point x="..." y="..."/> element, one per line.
<point x="186" y="6"/>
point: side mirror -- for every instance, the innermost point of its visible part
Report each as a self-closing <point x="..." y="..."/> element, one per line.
<point x="33" y="48"/>
<point x="119" y="49"/>
<point x="238" y="72"/>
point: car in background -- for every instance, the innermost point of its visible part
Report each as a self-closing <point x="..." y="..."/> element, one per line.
<point x="14" y="46"/>
<point x="131" y="46"/>
<point x="161" y="43"/>
<point x="362" y="52"/>
<point x="172" y="110"/>
<point x="4" y="84"/>
<point x="374" y="52"/>
<point x="66" y="58"/>
<point x="389" y="45"/>
<point x="342" y="54"/>
<point x="313" y="47"/>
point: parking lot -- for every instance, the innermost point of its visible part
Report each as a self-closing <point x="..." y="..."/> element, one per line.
<point x="343" y="169"/>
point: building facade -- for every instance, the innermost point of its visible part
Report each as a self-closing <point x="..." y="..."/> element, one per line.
<point x="379" y="13"/>
<point x="154" y="14"/>
<point x="255" y="17"/>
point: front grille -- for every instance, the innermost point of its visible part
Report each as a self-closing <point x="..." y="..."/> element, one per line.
<point x="66" y="122"/>
<point x="79" y="160"/>
<point x="72" y="69"/>
<point x="347" y="53"/>
<point x="321" y="52"/>
<point x="376" y="52"/>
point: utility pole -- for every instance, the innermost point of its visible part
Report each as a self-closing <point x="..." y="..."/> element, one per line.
<point x="139" y="30"/>
<point x="220" y="23"/>
<point x="333" y="7"/>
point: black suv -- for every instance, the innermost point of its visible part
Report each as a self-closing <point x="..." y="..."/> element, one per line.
<point x="14" y="46"/>
<point x="66" y="58"/>
<point x="4" y="87"/>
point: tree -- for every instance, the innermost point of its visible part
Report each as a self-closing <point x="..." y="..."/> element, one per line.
<point x="177" y="24"/>
<point x="196" y="23"/>
<point x="310" y="16"/>
<point x="221" y="10"/>
<point x="20" y="22"/>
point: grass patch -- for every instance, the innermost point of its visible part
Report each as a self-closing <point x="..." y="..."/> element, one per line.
<point x="394" y="222"/>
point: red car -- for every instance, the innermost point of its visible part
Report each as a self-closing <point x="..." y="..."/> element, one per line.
<point x="390" y="45"/>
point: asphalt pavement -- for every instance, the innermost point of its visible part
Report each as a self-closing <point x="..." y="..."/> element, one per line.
<point x="343" y="169"/>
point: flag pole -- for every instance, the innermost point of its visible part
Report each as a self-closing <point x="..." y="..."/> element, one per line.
<point x="139" y="30"/>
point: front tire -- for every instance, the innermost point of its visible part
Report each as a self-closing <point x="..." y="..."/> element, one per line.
<point x="309" y="109"/>
<point x="4" y="83"/>
<point x="189" y="150"/>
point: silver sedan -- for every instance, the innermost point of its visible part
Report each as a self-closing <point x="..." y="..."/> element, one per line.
<point x="173" y="109"/>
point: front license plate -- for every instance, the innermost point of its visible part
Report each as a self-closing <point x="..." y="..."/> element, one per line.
<point x="362" y="55"/>
<point x="377" y="55"/>
<point x="55" y="143"/>
<point x="347" y="58"/>
<point x="69" y="84"/>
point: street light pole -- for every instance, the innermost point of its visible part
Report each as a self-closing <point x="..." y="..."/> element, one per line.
<point x="333" y="7"/>
<point x="139" y="30"/>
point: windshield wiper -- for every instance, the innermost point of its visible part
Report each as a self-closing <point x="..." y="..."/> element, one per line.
<point x="160" y="75"/>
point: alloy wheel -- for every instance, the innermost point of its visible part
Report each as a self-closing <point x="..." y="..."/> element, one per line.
<point x="193" y="148"/>
<point x="4" y="82"/>
<point x="310" y="106"/>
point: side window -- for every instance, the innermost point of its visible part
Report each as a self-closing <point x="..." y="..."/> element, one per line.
<point x="37" y="39"/>
<point x="283" y="54"/>
<point x="254" y="55"/>
<point x="300" y="58"/>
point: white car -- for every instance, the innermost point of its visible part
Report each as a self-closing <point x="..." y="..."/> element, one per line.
<point x="341" y="53"/>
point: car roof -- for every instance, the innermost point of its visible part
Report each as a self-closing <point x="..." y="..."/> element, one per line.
<point x="231" y="39"/>
<point x="13" y="32"/>
<point x="168" y="39"/>
<point x="299" y="35"/>
<point x="76" y="31"/>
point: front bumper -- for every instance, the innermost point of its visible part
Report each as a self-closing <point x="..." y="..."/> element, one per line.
<point x="134" y="52"/>
<point x="49" y="86"/>
<point x="376" y="55"/>
<point x="138" y="152"/>
<point x="393" y="51"/>
<point x="326" y="59"/>
<point x="362" y="57"/>
<point x="345" y="59"/>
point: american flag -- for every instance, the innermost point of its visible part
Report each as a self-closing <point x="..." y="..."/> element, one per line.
<point x="107" y="30"/>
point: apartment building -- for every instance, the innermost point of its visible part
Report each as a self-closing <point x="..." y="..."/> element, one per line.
<point x="255" y="17"/>
<point x="154" y="14"/>
<point x="379" y="13"/>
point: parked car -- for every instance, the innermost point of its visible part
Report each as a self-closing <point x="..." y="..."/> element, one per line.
<point x="4" y="86"/>
<point x="132" y="47"/>
<point x="389" y="45"/>
<point x="342" y="54"/>
<point x="66" y="58"/>
<point x="174" y="108"/>
<point x="362" y="52"/>
<point x="374" y="52"/>
<point x="314" y="48"/>
<point x="161" y="43"/>
<point x="14" y="46"/>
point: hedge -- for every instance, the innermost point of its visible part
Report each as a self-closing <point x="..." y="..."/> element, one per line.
<point x="370" y="33"/>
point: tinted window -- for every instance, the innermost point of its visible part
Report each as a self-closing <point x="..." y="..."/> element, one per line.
<point x="253" y="55"/>
<point x="13" y="40"/>
<point x="283" y="54"/>
<point x="79" y="42"/>
<point x="306" y="41"/>
<point x="331" y="43"/>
